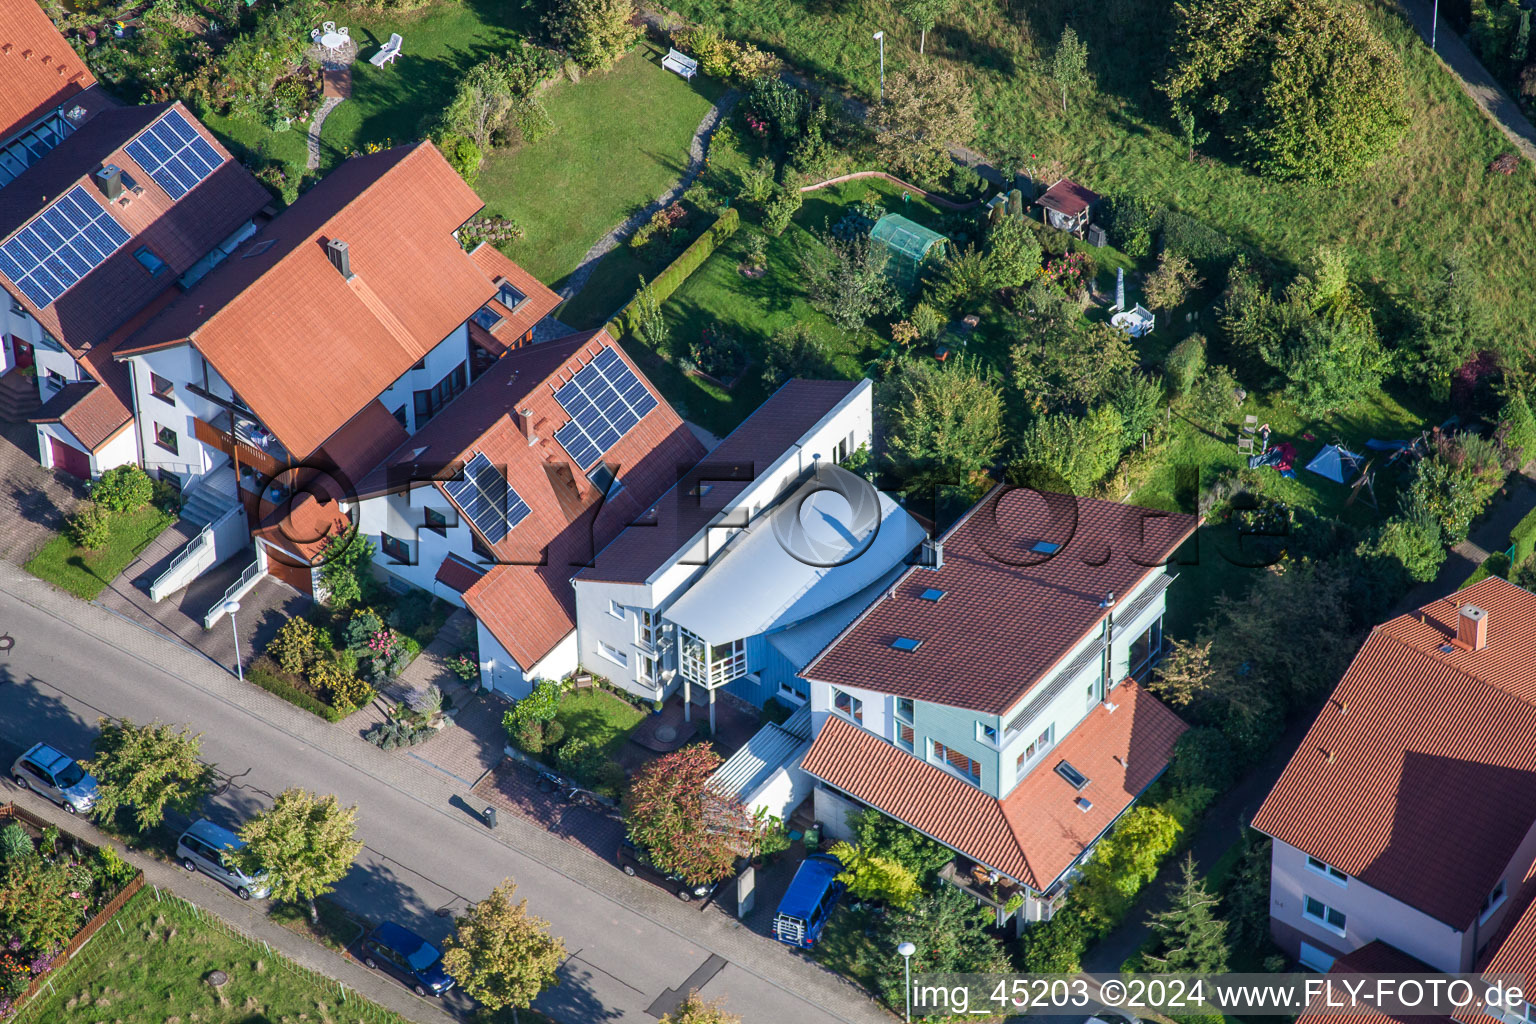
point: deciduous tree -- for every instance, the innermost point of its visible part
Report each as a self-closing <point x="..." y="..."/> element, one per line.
<point x="928" y="109"/>
<point x="1069" y="64"/>
<point x="696" y="1011"/>
<point x="687" y="827"/>
<point x="305" y="843"/>
<point x="502" y="955"/>
<point x="595" y="33"/>
<point x="1170" y="284"/>
<point x="845" y="278"/>
<point x="1185" y="674"/>
<point x="147" y="768"/>
<point x="945" y="422"/>
<point x="923" y="14"/>
<point x="1302" y="89"/>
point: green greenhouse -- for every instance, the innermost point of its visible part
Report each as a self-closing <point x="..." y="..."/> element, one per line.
<point x="908" y="245"/>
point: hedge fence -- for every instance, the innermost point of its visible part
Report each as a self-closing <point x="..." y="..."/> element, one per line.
<point x="1522" y="539"/>
<point x="679" y="270"/>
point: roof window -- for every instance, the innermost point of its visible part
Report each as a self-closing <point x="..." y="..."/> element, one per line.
<point x="933" y="594"/>
<point x="1044" y="547"/>
<point x="1071" y="774"/>
<point x="906" y="643"/>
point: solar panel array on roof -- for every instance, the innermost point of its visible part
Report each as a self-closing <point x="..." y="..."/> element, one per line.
<point x="604" y="400"/>
<point x="174" y="155"/>
<point x="487" y="499"/>
<point x="65" y="242"/>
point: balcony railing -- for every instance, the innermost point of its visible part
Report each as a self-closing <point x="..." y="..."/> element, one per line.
<point x="974" y="880"/>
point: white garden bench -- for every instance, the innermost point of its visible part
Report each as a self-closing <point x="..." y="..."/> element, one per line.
<point x="681" y="63"/>
<point x="388" y="52"/>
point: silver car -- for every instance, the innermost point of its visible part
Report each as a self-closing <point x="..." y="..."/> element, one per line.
<point x="52" y="774"/>
<point x="206" y="847"/>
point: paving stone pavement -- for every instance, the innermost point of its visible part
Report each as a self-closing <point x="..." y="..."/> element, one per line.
<point x="33" y="501"/>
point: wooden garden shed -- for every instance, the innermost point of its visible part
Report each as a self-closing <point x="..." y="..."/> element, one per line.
<point x="1066" y="206"/>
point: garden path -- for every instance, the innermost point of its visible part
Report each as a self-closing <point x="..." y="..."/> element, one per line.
<point x="315" y="124"/>
<point x="1485" y="91"/>
<point x="697" y="148"/>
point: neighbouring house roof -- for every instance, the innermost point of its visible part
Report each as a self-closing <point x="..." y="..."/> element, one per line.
<point x="39" y="68"/>
<point x="362" y="443"/>
<point x="1038" y="830"/>
<point x="757" y="583"/>
<point x="1422" y="739"/>
<point x="305" y="347"/>
<point x="778" y="424"/>
<point x="526" y="600"/>
<point x="1374" y="957"/>
<point x="1010" y="610"/>
<point x="1068" y="198"/>
<point x="178" y="231"/>
<point x="538" y="299"/>
<point x="770" y="748"/>
<point x="458" y="574"/>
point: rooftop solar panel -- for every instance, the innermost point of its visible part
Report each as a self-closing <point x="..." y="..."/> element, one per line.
<point x="484" y="495"/>
<point x="174" y="155"/>
<point x="604" y="401"/>
<point x="65" y="242"/>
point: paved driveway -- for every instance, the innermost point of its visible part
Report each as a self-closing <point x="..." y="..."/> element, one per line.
<point x="33" y="500"/>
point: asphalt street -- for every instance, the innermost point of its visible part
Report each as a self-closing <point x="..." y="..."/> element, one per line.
<point x="631" y="944"/>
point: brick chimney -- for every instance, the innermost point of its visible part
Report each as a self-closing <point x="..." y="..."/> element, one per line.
<point x="524" y="418"/>
<point x="1472" y="627"/>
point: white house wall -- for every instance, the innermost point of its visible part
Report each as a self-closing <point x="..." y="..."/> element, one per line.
<point x="402" y="517"/>
<point x="596" y="626"/>
<point x="447" y="354"/>
<point x="16" y="323"/>
<point x="181" y="365"/>
<point x="501" y="672"/>
<point x="781" y="792"/>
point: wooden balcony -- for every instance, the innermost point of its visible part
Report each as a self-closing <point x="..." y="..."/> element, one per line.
<point x="268" y="461"/>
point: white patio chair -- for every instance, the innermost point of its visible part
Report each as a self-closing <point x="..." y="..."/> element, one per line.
<point x="343" y="32"/>
<point x="326" y="28"/>
<point x="314" y="36"/>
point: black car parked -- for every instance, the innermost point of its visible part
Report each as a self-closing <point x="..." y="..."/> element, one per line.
<point x="636" y="861"/>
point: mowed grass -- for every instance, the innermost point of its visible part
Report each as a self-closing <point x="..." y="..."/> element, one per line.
<point x="621" y="139"/>
<point x="1431" y="197"/>
<point x="87" y="573"/>
<point x="154" y="971"/>
<point x="598" y="717"/>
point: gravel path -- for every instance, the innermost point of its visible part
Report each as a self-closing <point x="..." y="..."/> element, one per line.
<point x="696" y="150"/>
<point x="315" y="124"/>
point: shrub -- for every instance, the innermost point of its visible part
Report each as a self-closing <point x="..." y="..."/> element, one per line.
<point x="1132" y="220"/>
<point x="263" y="672"/>
<point x="1195" y="239"/>
<point x="1214" y="396"/>
<point x="1055" y="946"/>
<point x="582" y="760"/>
<point x="1517" y="430"/>
<point x="297" y="644"/>
<point x="15" y="844"/>
<point x="462" y="155"/>
<point x="781" y="209"/>
<point x="1413" y="544"/>
<point x="554" y="732"/>
<point x="90" y="527"/>
<point x="361" y="628"/>
<point x="780" y="104"/>
<point x="1172" y="282"/>
<point x="1059" y="451"/>
<point x="757" y="182"/>
<point x="124" y="489"/>
<point x="346" y="574"/>
<point x="1138" y="398"/>
<point x="1523" y="538"/>
<point x="526" y="736"/>
<point x="896" y="840"/>
<point x="594" y="32"/>
<point x="1183" y="365"/>
<point x="1202" y="757"/>
<point x="426" y="702"/>
<point x="344" y="691"/>
<point x="113" y="871"/>
<point x="869" y="876"/>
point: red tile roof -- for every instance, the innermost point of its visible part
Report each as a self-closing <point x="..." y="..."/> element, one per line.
<point x="39" y="68"/>
<point x="1068" y="197"/>
<point x="1372" y="958"/>
<point x="751" y="448"/>
<point x="180" y="232"/>
<point x="1512" y="951"/>
<point x="1418" y="744"/>
<point x="362" y="443"/>
<point x="538" y="302"/>
<point x="456" y="573"/>
<point x="1037" y="831"/>
<point x="1009" y="615"/>
<point x="303" y="346"/>
<point x="527" y="601"/>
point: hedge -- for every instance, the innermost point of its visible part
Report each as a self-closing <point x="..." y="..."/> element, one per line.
<point x="1496" y="564"/>
<point x="678" y="271"/>
<point x="279" y="687"/>
<point x="1523" y="538"/>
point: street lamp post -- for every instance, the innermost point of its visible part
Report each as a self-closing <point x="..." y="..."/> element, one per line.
<point x="230" y="608"/>
<point x="1434" y="26"/>
<point x="880" y="38"/>
<point x="906" y="949"/>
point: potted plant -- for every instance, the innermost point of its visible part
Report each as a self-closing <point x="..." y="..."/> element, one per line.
<point x="656" y="707"/>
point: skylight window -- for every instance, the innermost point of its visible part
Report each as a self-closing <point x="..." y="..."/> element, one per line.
<point x="932" y="594"/>
<point x="1044" y="547"/>
<point x="1071" y="774"/>
<point x="906" y="643"/>
<point x="509" y="296"/>
<point x="487" y="317"/>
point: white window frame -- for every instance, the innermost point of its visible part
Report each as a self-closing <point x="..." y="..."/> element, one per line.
<point x="1037" y="749"/>
<point x="1321" y="920"/>
<point x="910" y="746"/>
<point x="896" y="710"/>
<point x="1316" y="963"/>
<point x="617" y="610"/>
<point x="647" y="667"/>
<point x="789" y="693"/>
<point x="994" y="740"/>
<point x="1318" y="866"/>
<point x="646" y="623"/>
<point x="1494" y="901"/>
<point x="855" y="712"/>
<point x="613" y="654"/>
<point x="934" y="757"/>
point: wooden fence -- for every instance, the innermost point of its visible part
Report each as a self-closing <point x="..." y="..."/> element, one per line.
<point x="10" y="812"/>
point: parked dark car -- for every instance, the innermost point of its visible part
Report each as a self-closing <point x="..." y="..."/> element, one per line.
<point x="636" y="862"/>
<point x="395" y="949"/>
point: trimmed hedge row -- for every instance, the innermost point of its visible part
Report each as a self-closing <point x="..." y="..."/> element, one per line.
<point x="678" y="271"/>
<point x="298" y="698"/>
<point x="1523" y="538"/>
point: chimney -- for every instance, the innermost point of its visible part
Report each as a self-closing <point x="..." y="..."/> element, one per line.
<point x="1109" y="600"/>
<point x="1472" y="627"/>
<point x="932" y="554"/>
<point x="110" y="177"/>
<point x="524" y="419"/>
<point x="336" y="249"/>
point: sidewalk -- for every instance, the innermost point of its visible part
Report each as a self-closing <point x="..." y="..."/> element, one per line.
<point x="249" y="918"/>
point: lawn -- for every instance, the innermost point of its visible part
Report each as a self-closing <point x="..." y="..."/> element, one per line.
<point x="599" y="717"/>
<point x="621" y="139"/>
<point x="87" y="573"/>
<point x="1431" y="197"/>
<point x="154" y="969"/>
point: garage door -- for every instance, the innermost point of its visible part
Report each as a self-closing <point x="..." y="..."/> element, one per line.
<point x="282" y="568"/>
<point x="70" y="459"/>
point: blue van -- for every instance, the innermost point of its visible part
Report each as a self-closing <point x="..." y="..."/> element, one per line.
<point x="804" y="910"/>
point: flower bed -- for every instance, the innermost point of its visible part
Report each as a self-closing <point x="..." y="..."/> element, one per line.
<point x="61" y="891"/>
